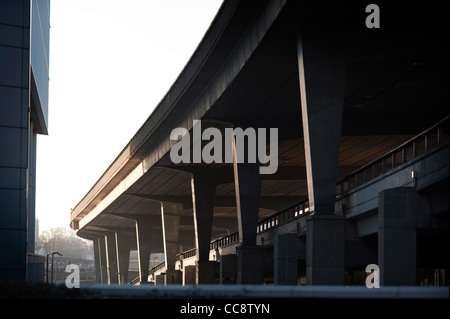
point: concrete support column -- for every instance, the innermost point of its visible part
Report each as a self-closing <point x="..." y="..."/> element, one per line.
<point x="322" y="64"/>
<point x="203" y="189"/>
<point x="111" y="257"/>
<point x="203" y="192"/>
<point x="321" y="67"/>
<point x="103" y="262"/>
<point x="397" y="236"/>
<point x="247" y="184"/>
<point x="325" y="250"/>
<point x="143" y="236"/>
<point x="170" y="217"/>
<point x="123" y="245"/>
<point x="97" y="261"/>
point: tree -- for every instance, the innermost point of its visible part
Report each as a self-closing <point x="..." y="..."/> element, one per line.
<point x="66" y="242"/>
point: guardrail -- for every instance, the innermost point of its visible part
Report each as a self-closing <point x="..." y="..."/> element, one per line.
<point x="151" y="271"/>
<point x="134" y="280"/>
<point x="298" y="210"/>
<point x="186" y="254"/>
<point x="427" y="140"/>
<point x="159" y="266"/>
<point x="225" y="241"/>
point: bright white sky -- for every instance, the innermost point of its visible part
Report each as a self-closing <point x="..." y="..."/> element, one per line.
<point x="111" y="62"/>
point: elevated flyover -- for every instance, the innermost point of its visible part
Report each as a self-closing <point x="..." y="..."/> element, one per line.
<point x="339" y="94"/>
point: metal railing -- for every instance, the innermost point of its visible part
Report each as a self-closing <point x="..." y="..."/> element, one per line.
<point x="225" y="241"/>
<point x="151" y="271"/>
<point x="411" y="149"/>
<point x="186" y="254"/>
<point x="159" y="266"/>
<point x="296" y="211"/>
<point x="134" y="280"/>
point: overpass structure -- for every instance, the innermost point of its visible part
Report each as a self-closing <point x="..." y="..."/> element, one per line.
<point x="362" y="154"/>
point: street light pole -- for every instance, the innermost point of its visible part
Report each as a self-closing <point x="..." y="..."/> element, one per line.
<point x="46" y="273"/>
<point x="52" y="254"/>
<point x="51" y="279"/>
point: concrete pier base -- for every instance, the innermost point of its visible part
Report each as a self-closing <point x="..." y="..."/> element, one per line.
<point x="325" y="250"/>
<point x="205" y="272"/>
<point x="172" y="277"/>
<point x="397" y="252"/>
<point x="250" y="264"/>
<point x="188" y="275"/>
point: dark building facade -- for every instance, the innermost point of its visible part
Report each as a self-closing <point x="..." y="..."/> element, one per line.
<point x="24" y="81"/>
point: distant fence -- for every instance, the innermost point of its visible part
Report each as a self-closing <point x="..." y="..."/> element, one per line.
<point x="58" y="272"/>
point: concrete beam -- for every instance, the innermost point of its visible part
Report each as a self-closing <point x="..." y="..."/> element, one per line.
<point x="156" y="219"/>
<point x="268" y="202"/>
<point x="104" y="229"/>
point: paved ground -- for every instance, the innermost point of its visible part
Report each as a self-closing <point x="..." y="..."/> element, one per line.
<point x="226" y="301"/>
